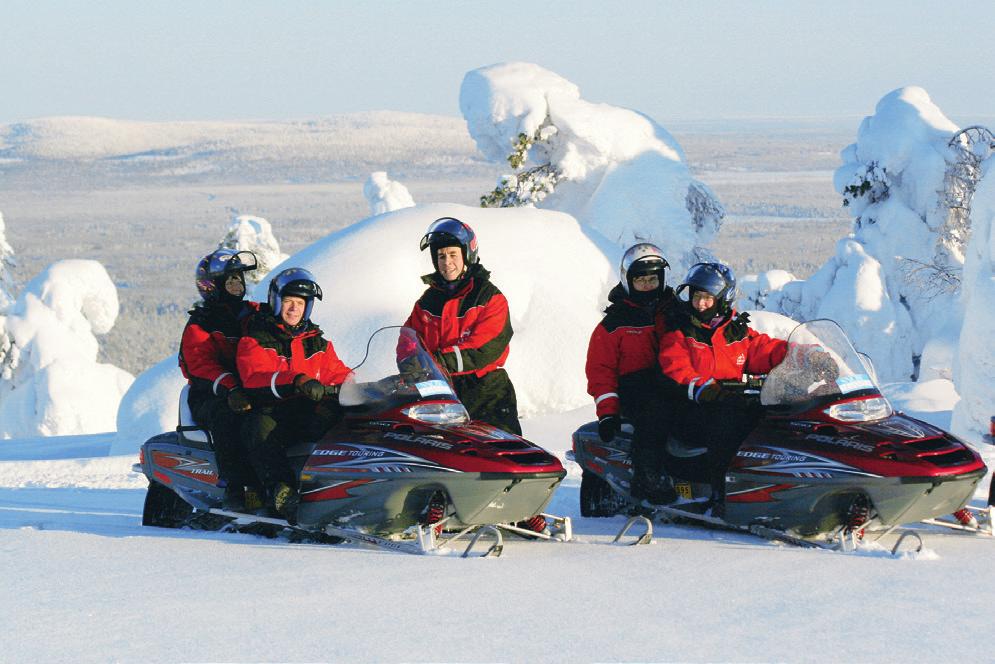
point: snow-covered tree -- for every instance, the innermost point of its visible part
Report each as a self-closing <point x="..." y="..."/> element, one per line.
<point x="54" y="384"/>
<point x="893" y="284"/>
<point x="974" y="374"/>
<point x="386" y="195"/>
<point x="621" y="174"/>
<point x="6" y="270"/>
<point x="249" y="233"/>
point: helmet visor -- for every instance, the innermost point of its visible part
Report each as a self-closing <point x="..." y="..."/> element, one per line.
<point x="224" y="263"/>
<point x="301" y="288"/>
<point x="446" y="230"/>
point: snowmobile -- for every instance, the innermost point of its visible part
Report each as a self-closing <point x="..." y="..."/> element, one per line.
<point x="405" y="469"/>
<point x="829" y="460"/>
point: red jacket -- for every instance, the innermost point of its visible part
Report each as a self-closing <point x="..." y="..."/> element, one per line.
<point x="270" y="357"/>
<point x="467" y="327"/>
<point x="692" y="355"/>
<point x="207" y="347"/>
<point x="624" y="344"/>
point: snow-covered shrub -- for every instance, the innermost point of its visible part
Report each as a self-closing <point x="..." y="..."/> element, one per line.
<point x="7" y="264"/>
<point x="974" y="373"/>
<point x="149" y="407"/>
<point x="55" y="385"/>
<point x="554" y="277"/>
<point x="385" y="195"/>
<point x="618" y="172"/>
<point x="249" y="233"/>
<point x="892" y="284"/>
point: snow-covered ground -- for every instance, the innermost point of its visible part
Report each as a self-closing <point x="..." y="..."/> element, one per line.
<point x="84" y="581"/>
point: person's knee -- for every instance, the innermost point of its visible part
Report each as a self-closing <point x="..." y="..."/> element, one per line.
<point x="257" y="429"/>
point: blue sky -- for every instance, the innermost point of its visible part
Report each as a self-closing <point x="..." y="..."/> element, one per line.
<point x="182" y="60"/>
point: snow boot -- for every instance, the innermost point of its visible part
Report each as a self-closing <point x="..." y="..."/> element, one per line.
<point x="285" y="501"/>
<point x="653" y="490"/>
<point x="253" y="500"/>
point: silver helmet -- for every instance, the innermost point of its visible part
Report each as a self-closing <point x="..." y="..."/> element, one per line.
<point x="641" y="260"/>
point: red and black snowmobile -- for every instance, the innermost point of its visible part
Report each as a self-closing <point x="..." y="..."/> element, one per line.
<point x="406" y="469"/>
<point x="830" y="457"/>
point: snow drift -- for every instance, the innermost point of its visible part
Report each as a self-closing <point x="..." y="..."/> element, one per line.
<point x="52" y="383"/>
<point x="621" y="174"/>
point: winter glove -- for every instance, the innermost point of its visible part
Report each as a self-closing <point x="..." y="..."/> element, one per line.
<point x="238" y="401"/>
<point x="309" y="387"/>
<point x="823" y="365"/>
<point x="708" y="393"/>
<point x="332" y="393"/>
<point x="608" y="426"/>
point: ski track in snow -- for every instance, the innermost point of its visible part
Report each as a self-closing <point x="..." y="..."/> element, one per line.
<point x="84" y="581"/>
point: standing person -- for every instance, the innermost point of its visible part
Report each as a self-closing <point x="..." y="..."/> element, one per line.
<point x="623" y="374"/>
<point x="462" y="318"/>
<point x="708" y="342"/>
<point x="207" y="360"/>
<point x="293" y="375"/>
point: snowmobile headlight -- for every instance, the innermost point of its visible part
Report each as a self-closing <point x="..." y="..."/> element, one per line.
<point x="861" y="410"/>
<point x="438" y="413"/>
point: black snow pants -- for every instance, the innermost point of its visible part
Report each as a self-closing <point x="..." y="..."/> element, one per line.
<point x="269" y="430"/>
<point x="721" y="427"/>
<point x="490" y="399"/>
<point x="644" y="404"/>
<point x="225" y="426"/>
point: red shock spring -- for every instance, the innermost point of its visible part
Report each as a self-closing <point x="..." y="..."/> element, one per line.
<point x="857" y="515"/>
<point x="436" y="509"/>
<point x="536" y="523"/>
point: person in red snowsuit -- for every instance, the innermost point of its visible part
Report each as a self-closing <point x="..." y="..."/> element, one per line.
<point x="207" y="360"/>
<point x="462" y="318"/>
<point x="292" y="374"/>
<point x="623" y="374"/>
<point x="707" y="342"/>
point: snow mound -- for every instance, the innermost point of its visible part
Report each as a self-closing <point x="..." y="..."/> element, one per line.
<point x="556" y="281"/>
<point x="249" y="233"/>
<point x="52" y="383"/>
<point x="149" y="407"/>
<point x="386" y="195"/>
<point x="621" y="174"/>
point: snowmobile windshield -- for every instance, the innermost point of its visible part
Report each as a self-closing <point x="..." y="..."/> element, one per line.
<point x="822" y="367"/>
<point x="396" y="372"/>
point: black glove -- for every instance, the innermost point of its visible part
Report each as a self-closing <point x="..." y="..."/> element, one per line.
<point x="238" y="400"/>
<point x="332" y="393"/>
<point x="823" y="365"/>
<point x="309" y="387"/>
<point x="708" y="393"/>
<point x="608" y="426"/>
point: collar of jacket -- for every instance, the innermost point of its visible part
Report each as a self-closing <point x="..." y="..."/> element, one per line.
<point x="618" y="296"/>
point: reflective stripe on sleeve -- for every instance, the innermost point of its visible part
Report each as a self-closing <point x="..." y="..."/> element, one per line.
<point x="606" y="395"/>
<point x="272" y="384"/>
<point x="217" y="381"/>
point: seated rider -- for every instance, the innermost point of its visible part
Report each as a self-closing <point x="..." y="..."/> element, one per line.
<point x="707" y="342"/>
<point x="462" y="319"/>
<point x="207" y="360"/>
<point x="292" y="374"/>
<point x="623" y="374"/>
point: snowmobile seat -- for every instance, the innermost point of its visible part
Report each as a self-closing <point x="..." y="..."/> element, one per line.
<point x="189" y="431"/>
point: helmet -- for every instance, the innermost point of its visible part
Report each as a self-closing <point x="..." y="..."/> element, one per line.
<point x="641" y="260"/>
<point x="215" y="268"/>
<point x="295" y="281"/>
<point x="715" y="279"/>
<point x="450" y="232"/>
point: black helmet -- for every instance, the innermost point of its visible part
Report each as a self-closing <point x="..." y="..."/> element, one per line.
<point x="641" y="260"/>
<point x="215" y="268"/>
<point x="295" y="281"/>
<point x="715" y="279"/>
<point x="450" y="232"/>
